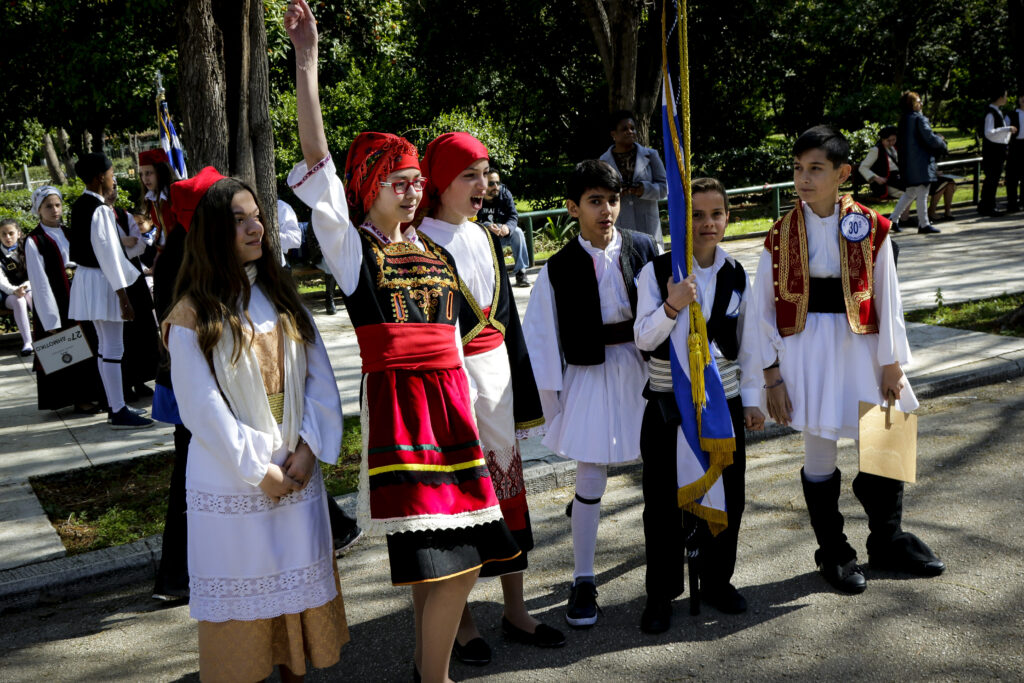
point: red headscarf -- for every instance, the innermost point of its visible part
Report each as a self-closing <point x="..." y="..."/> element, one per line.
<point x="446" y="157"/>
<point x="372" y="158"/>
<point x="152" y="157"/>
<point x="186" y="194"/>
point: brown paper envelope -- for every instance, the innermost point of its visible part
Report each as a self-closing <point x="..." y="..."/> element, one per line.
<point x="888" y="444"/>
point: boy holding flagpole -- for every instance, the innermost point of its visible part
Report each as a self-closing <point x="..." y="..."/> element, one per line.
<point x="719" y="286"/>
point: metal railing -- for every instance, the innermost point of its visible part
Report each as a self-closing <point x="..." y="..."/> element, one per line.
<point x="526" y="219"/>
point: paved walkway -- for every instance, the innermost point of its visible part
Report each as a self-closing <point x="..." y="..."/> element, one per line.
<point x="972" y="258"/>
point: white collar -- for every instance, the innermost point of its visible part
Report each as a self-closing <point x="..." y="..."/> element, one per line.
<point x="94" y="194"/>
<point x="811" y="217"/>
<point x="720" y="258"/>
<point x="612" y="245"/>
<point x="151" y="196"/>
<point x="444" y="225"/>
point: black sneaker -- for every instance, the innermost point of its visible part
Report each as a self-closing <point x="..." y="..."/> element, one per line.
<point x="581" y="610"/>
<point x="140" y="412"/>
<point x="126" y="419"/>
<point x="521" y="280"/>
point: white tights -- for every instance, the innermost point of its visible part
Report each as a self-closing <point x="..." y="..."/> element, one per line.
<point x="820" y="457"/>
<point x="20" y="307"/>
<point x="591" y="480"/>
<point x="110" y="338"/>
<point x="918" y="193"/>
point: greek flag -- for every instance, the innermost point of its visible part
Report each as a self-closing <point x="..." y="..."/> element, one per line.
<point x="170" y="142"/>
<point x="705" y="442"/>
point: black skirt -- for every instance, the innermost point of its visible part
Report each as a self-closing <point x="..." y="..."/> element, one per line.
<point x="425" y="556"/>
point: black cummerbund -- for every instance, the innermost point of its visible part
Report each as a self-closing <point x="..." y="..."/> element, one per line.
<point x="826" y="295"/>
<point x="617" y="333"/>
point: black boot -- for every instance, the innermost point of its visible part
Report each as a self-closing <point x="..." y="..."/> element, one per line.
<point x="836" y="559"/>
<point x="889" y="547"/>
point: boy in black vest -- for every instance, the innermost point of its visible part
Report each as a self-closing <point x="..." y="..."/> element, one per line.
<point x="99" y="291"/>
<point x="581" y="312"/>
<point x="719" y="284"/>
<point x="995" y="138"/>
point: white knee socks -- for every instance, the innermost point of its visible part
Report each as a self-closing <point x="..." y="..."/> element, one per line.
<point x="591" y="480"/>
<point x="20" y="308"/>
<point x="819" y="457"/>
<point x="111" y="342"/>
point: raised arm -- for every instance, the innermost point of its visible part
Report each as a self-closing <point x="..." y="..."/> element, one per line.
<point x="301" y="27"/>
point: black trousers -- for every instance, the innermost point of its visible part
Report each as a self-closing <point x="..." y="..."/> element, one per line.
<point x="992" y="162"/>
<point x="1015" y="175"/>
<point x="663" y="520"/>
<point x="173" y="572"/>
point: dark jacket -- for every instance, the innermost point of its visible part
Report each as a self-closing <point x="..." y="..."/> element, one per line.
<point x="500" y="210"/>
<point x="918" y="146"/>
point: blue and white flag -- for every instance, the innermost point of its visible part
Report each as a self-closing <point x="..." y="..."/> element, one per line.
<point x="705" y="443"/>
<point x="170" y="142"/>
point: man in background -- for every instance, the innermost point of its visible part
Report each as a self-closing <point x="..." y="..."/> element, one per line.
<point x="499" y="215"/>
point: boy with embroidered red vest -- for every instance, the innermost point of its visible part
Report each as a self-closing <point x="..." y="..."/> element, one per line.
<point x="826" y="324"/>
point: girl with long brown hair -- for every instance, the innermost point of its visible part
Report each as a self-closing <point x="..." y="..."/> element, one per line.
<point x="255" y="387"/>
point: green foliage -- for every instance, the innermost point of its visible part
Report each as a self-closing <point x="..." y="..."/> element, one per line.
<point x="17" y="204"/>
<point x="502" y="149"/>
<point x="770" y="161"/>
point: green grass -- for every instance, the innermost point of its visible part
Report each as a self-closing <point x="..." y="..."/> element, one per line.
<point x="978" y="316"/>
<point x="122" y="502"/>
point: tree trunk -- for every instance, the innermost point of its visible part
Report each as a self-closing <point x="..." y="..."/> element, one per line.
<point x="98" y="133"/>
<point x="64" y="146"/>
<point x="260" y="128"/>
<point x="222" y="65"/>
<point x="201" y="78"/>
<point x="616" y="27"/>
<point x="52" y="163"/>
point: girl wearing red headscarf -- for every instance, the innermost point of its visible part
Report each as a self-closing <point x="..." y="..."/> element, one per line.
<point x="508" y="403"/>
<point x="423" y="478"/>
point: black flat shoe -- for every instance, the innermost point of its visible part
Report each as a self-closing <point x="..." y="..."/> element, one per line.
<point x="542" y="636"/>
<point x="726" y="600"/>
<point x="907" y="554"/>
<point x="845" y="578"/>
<point x="928" y="230"/>
<point x="656" y="617"/>
<point x="475" y="653"/>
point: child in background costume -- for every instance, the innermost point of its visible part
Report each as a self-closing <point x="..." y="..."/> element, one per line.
<point x="141" y="337"/>
<point x="424" y="481"/>
<point x="14" y="284"/>
<point x="156" y="177"/>
<point x="719" y="284"/>
<point x="258" y="395"/>
<point x="581" y="311"/>
<point x="825" y="322"/>
<point x="507" y="403"/>
<point x="50" y="272"/>
<point x="99" y="293"/>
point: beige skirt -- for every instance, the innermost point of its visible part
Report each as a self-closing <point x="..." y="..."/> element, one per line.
<point x="233" y="651"/>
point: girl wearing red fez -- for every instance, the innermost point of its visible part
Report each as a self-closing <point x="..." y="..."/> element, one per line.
<point x="156" y="178"/>
<point x="257" y="392"/>
<point x="507" y="404"/>
<point x="424" y="480"/>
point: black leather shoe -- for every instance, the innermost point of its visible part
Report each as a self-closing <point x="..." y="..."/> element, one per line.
<point x="656" y="617"/>
<point x="928" y="230"/>
<point x="475" y="653"/>
<point x="894" y="227"/>
<point x="845" y="578"/>
<point x="726" y="599"/>
<point x="907" y="554"/>
<point x="542" y="636"/>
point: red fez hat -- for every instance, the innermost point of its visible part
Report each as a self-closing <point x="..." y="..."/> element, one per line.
<point x="186" y="194"/>
<point x="151" y="157"/>
<point x="446" y="157"/>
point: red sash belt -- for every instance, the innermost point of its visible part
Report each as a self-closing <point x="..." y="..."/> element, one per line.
<point x="486" y="339"/>
<point x="407" y="346"/>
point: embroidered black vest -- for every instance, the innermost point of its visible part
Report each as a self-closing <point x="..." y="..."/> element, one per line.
<point x="882" y="163"/>
<point x="53" y="266"/>
<point x="14" y="269"/>
<point x="399" y="283"/>
<point x="721" y="327"/>
<point x="581" y="331"/>
<point x="81" y="231"/>
<point x="504" y="317"/>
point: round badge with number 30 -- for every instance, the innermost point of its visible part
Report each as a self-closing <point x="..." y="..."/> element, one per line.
<point x="855" y="227"/>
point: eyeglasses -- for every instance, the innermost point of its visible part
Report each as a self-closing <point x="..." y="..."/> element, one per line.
<point x="402" y="186"/>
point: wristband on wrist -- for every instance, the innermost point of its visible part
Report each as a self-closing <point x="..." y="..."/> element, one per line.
<point x="772" y="386"/>
<point x="673" y="308"/>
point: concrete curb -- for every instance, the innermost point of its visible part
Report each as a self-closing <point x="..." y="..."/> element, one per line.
<point x="71" y="577"/>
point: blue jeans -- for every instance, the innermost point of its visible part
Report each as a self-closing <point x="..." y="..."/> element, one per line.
<point x="517" y="241"/>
